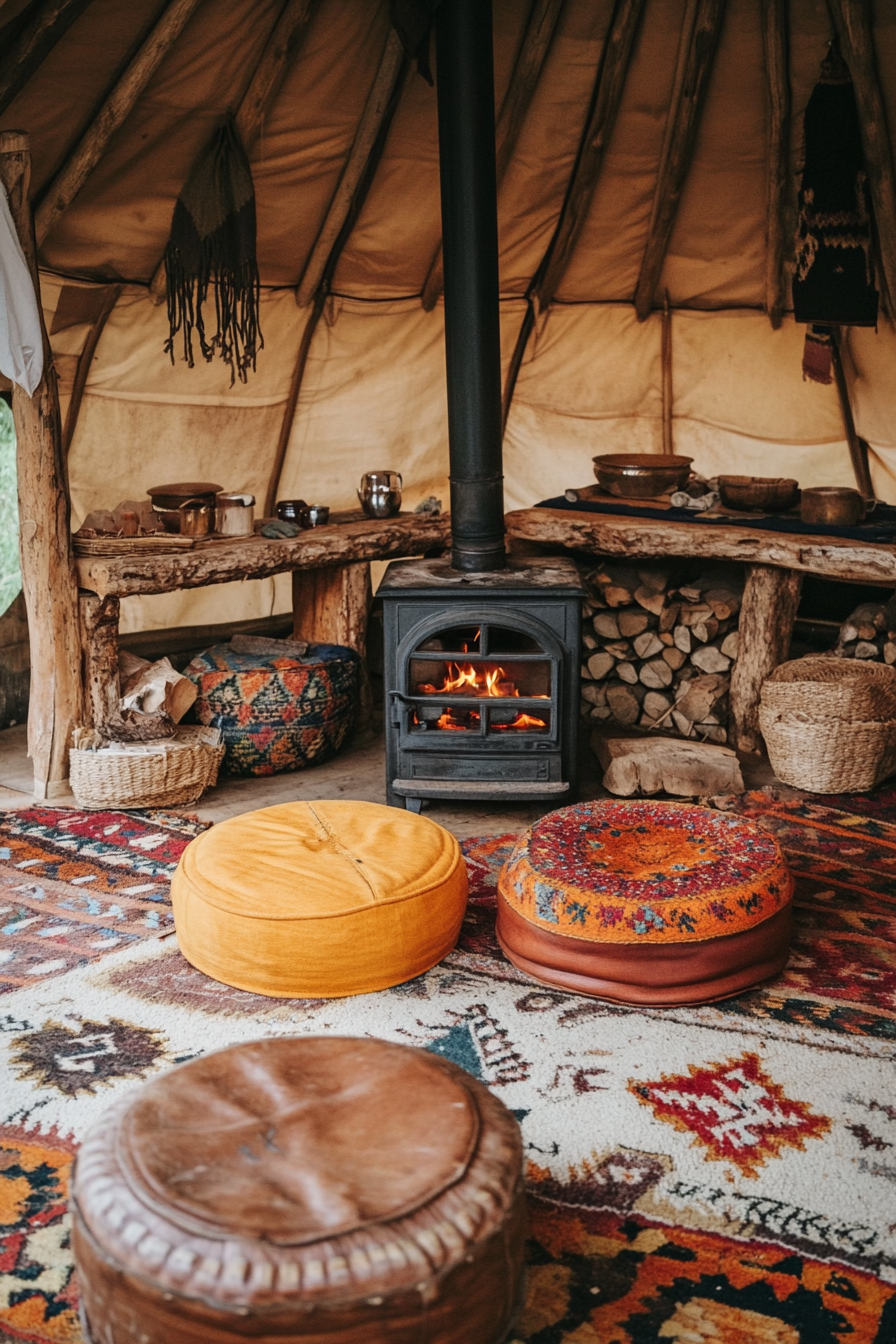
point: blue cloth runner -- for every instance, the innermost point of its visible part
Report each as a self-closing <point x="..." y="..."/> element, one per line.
<point x="879" y="526"/>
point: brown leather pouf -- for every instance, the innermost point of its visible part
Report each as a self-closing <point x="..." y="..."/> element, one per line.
<point x="311" y="1190"/>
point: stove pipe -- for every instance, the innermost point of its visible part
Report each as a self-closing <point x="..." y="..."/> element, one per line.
<point x="466" y="101"/>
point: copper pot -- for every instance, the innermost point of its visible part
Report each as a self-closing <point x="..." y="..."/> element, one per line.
<point x="835" y="505"/>
<point x="197" y="518"/>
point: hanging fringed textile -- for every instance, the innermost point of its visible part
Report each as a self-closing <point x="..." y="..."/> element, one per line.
<point x="834" y="279"/>
<point x="213" y="243"/>
<point x="412" y="21"/>
<point x="818" y="354"/>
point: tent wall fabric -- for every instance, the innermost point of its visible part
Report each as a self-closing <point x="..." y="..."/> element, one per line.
<point x="373" y="394"/>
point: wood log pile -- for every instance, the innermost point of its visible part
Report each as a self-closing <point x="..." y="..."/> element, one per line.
<point x="870" y="632"/>
<point x="658" y="649"/>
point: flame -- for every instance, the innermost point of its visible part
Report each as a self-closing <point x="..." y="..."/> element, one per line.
<point x="521" y="721"/>
<point x="467" y="680"/>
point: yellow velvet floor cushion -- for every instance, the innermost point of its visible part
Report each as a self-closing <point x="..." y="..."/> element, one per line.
<point x="319" y="900"/>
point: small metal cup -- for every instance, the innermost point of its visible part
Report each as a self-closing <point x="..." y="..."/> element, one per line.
<point x="196" y="518"/>
<point x="318" y="515"/>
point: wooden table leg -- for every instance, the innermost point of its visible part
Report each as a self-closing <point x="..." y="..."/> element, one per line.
<point x="99" y="642"/>
<point x="771" y="598"/>
<point x="330" y="606"/>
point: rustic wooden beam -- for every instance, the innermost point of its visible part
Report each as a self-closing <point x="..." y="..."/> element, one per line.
<point x="331" y="606"/>
<point x="529" y="63"/>
<point x="609" y="86"/>
<point x="699" y="37"/>
<point x="42" y="27"/>
<point x="99" y="640"/>
<point x="771" y="598"/>
<point x="647" y="538"/>
<point x="858" y="448"/>
<point x="117" y="105"/>
<point x="777" y="88"/>
<point x="279" y="51"/>
<point x="85" y="360"/>
<point x="48" y="572"/>
<point x="379" y="105"/>
<point x="852" y="22"/>
<point x="666" y="367"/>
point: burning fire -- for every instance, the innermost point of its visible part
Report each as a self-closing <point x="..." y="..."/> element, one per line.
<point x="484" y="682"/>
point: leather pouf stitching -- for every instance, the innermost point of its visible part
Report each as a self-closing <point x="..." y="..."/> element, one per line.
<point x="316" y="1190"/>
<point x="319" y="900"/>
<point x="646" y="902"/>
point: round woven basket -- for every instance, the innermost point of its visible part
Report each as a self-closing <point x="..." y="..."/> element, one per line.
<point x="832" y="688"/>
<point x="166" y="773"/>
<point x="828" y="755"/>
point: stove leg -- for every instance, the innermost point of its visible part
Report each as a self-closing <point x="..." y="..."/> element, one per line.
<point x="414" y="804"/>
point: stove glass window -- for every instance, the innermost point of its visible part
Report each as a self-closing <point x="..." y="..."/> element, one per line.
<point x="486" y="680"/>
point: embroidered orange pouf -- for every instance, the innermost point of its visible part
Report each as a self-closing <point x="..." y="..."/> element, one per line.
<point x="646" y="902"/>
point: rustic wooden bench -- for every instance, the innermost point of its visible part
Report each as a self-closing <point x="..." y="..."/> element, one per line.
<point x="775" y="565"/>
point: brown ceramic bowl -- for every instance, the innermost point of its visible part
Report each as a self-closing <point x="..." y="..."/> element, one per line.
<point x="836" y="505"/>
<point x="641" y="475"/>
<point x="766" y="494"/>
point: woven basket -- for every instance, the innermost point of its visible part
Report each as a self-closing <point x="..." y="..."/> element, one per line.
<point x="832" y="688"/>
<point x="166" y="773"/>
<point x="827" y="755"/>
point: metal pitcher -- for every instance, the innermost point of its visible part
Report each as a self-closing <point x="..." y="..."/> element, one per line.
<point x="380" y="493"/>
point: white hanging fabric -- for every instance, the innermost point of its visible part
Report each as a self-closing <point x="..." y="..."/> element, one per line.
<point x="21" y="340"/>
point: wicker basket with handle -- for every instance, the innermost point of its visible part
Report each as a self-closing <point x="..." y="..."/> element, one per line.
<point x="830" y="724"/>
<point x="169" y="772"/>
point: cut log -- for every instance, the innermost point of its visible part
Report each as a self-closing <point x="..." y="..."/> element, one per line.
<point x="625" y="702"/>
<point x="280" y="648"/>
<point x="651" y="765"/>
<point x="633" y="623"/>
<point x="656" y="674"/>
<point x="706" y="630"/>
<point x="682" y="636"/>
<point x="656" y="704"/>
<point x="648" y="645"/>
<point x="700" y="697"/>
<point x="674" y="657"/>
<point x="691" y="593"/>
<point x="710" y="732"/>
<point x="594" y="694"/>
<point x="99" y="639"/>
<point x="600" y="665"/>
<point x="654" y="578"/>
<point x="669" y="618"/>
<point x="666" y="640"/>
<point x="627" y="672"/>
<point x="730" y="644"/>
<point x="606" y="625"/>
<point x="889" y="652"/>
<point x="771" y="597"/>
<point x="710" y="659"/>
<point x="723" y="603"/>
<point x="865" y="649"/>
<point x="682" y="723"/>
<point x="693" y="614"/>
<point x="619" y="648"/>
<point x="588" y="640"/>
<point x="650" y="600"/>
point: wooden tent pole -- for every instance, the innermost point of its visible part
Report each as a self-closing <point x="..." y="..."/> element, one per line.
<point x="379" y="101"/>
<point x="666" y="362"/>
<point x="33" y="44"/>
<point x="700" y="34"/>
<point x="852" y="21"/>
<point x="48" y="570"/>
<point x="85" y="359"/>
<point x="362" y="186"/>
<point x="280" y="49"/>
<point x="119" y="102"/>
<point x="858" y="448"/>
<point x="527" y="69"/>
<point x="774" y="36"/>
<point x="609" y="83"/>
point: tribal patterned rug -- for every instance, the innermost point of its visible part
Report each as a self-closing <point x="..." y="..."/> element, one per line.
<point x="717" y="1174"/>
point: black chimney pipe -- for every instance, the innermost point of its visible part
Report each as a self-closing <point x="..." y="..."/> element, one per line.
<point x="466" y="100"/>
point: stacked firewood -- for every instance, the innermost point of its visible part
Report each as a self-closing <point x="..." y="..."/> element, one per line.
<point x="870" y="632"/>
<point x="658" y="651"/>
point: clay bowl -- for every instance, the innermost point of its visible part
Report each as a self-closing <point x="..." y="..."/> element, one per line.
<point x="765" y="494"/>
<point x="641" y="475"/>
<point x="837" y="505"/>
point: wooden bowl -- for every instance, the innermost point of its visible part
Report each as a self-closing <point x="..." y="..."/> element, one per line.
<point x="641" y="475"/>
<point x="836" y="505"/>
<point x="766" y="494"/>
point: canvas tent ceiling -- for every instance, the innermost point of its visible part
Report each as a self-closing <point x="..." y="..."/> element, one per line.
<point x="373" y="393"/>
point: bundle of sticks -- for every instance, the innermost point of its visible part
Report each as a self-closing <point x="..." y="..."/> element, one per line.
<point x="658" y="651"/>
<point x="870" y="632"/>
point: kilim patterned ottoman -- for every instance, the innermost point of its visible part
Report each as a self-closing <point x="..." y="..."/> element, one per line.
<point x="646" y="902"/>
<point x="276" y="713"/>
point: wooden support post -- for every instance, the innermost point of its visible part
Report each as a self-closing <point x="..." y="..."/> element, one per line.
<point x="858" y="448"/>
<point x="85" y="359"/>
<point x="380" y="105"/>
<point x="331" y="606"/>
<point x="117" y="105"/>
<point x="777" y="86"/>
<point x="32" y="42"/>
<point x="527" y="70"/>
<point x="771" y="598"/>
<point x="278" y="54"/>
<point x="852" y="21"/>
<point x="99" y="640"/>
<point x="699" y="37"/>
<point x="48" y="571"/>
<point x="666" y="362"/>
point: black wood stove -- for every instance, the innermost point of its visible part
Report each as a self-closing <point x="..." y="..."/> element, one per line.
<point x="481" y="656"/>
